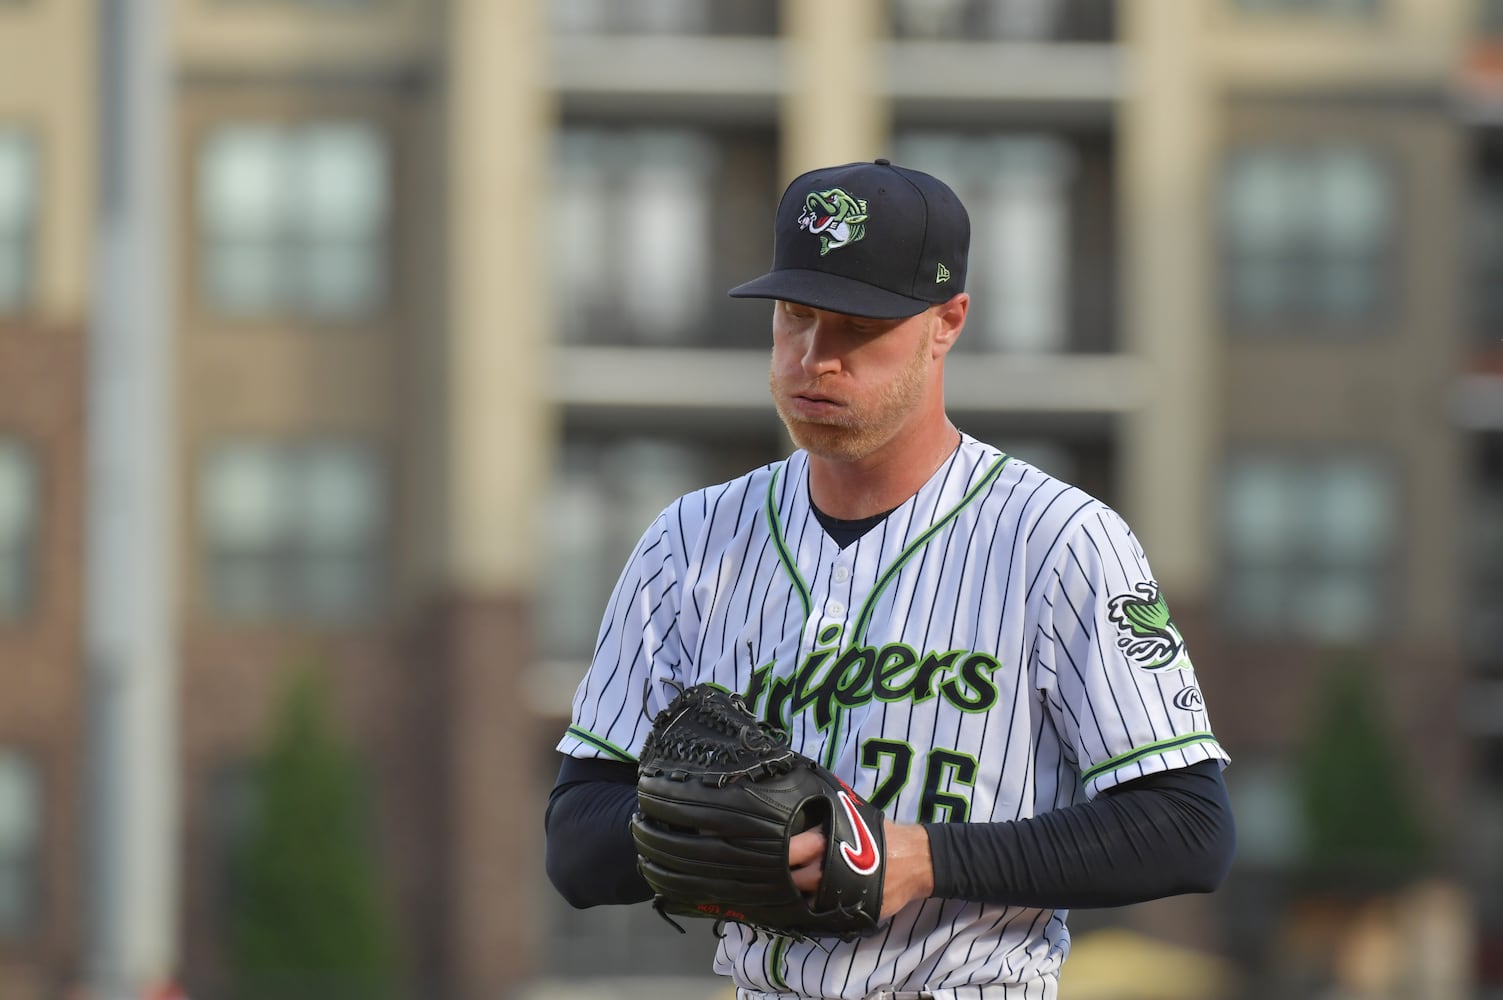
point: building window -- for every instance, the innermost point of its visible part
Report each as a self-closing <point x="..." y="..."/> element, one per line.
<point x="649" y="230"/>
<point x="1340" y="8"/>
<point x="311" y="4"/>
<point x="1308" y="235"/>
<point x="664" y="17"/>
<point x="18" y="211"/>
<point x="1016" y="190"/>
<point x="20" y="842"/>
<point x="1487" y="260"/>
<point x="1271" y="824"/>
<point x="1039" y="244"/>
<point x="1310" y="546"/>
<point x="294" y="219"/>
<point x="294" y="531"/>
<point x="19" y="515"/>
<point x="1486" y="236"/>
<point x="1483" y="542"/>
<point x="1005" y="20"/>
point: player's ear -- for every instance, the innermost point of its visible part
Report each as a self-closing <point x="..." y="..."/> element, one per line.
<point x="949" y="318"/>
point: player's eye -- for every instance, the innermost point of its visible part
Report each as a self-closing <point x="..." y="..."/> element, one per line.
<point x="868" y="328"/>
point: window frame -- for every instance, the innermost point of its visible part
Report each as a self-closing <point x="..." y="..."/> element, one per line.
<point x="1386" y="565"/>
<point x="29" y="236"/>
<point x="748" y="19"/>
<point x="289" y="556"/>
<point x="1383" y="317"/>
<point x="29" y="553"/>
<point x="1089" y="320"/>
<point x="1321" y="10"/>
<point x="1484" y="579"/>
<point x="388" y="118"/>
<point x="1484" y="202"/>
<point x="36" y="906"/>
<point x="735" y="149"/>
<point x="314" y="8"/>
<point x="1072" y="21"/>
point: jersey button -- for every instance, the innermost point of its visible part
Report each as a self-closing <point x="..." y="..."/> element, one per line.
<point x="841" y="574"/>
<point x="834" y="609"/>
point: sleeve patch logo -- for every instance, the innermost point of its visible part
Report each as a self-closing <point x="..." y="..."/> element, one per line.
<point x="1145" y="633"/>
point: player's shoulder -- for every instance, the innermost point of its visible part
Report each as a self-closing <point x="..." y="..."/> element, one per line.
<point x="748" y="488"/>
<point x="713" y="507"/>
<point x="1041" y="503"/>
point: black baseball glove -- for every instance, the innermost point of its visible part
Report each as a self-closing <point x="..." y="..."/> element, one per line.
<point x="719" y="794"/>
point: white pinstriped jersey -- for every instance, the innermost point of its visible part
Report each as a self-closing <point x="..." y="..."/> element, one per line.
<point x="994" y="649"/>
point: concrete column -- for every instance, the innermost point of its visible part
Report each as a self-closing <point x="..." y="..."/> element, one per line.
<point x="130" y="635"/>
<point x="833" y="110"/>
<point x="1166" y="127"/>
<point x="495" y="426"/>
<point x="498" y="135"/>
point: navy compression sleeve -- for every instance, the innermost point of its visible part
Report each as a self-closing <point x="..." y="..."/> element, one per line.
<point x="1157" y="836"/>
<point x="591" y="859"/>
<point x="1167" y="833"/>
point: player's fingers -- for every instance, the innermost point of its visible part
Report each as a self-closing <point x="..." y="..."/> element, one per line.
<point x="806" y="856"/>
<point x="806" y="847"/>
<point x="806" y="879"/>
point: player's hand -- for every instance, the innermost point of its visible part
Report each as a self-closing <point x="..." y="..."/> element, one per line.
<point x="806" y="857"/>
<point x="907" y="875"/>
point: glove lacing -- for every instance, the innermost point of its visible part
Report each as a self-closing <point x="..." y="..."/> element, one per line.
<point x="707" y="733"/>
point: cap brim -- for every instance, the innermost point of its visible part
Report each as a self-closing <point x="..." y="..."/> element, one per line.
<point x="823" y="290"/>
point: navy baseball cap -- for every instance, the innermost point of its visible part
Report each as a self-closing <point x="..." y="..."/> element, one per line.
<point x="867" y="239"/>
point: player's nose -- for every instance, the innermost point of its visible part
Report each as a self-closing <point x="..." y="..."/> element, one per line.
<point x="821" y="350"/>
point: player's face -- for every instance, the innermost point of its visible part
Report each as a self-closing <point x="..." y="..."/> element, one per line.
<point x="846" y="385"/>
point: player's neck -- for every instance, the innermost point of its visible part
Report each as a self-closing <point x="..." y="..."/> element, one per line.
<point x="850" y="490"/>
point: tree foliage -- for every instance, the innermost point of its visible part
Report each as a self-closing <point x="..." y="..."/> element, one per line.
<point x="1362" y="820"/>
<point x="310" y="919"/>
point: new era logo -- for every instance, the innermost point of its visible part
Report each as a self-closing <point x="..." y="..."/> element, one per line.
<point x="942" y="275"/>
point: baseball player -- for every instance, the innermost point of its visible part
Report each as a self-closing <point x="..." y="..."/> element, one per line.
<point x="978" y="649"/>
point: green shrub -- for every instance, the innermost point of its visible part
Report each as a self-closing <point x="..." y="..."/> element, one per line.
<point x="1362" y="825"/>
<point x="310" y="919"/>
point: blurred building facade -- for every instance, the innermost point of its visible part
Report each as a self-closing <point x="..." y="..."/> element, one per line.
<point x="451" y="330"/>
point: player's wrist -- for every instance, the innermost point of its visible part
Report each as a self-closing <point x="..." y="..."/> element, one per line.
<point x="910" y="866"/>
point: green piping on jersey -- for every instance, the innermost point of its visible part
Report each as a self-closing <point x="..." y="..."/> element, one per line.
<point x="888" y="575"/>
<point x="775" y="528"/>
<point x="1146" y="750"/>
<point x="857" y="635"/>
<point x="610" y="749"/>
<point x="776" y="952"/>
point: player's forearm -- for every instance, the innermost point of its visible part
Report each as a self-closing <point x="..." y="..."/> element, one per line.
<point x="1170" y="836"/>
<point x="590" y="856"/>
